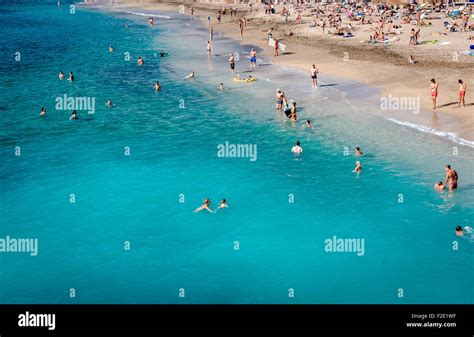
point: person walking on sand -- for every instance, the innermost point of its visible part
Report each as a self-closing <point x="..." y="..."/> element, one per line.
<point x="232" y="62"/>
<point x="451" y="177"/>
<point x="412" y="37"/>
<point x="434" y="92"/>
<point x="241" y="28"/>
<point x="314" y="76"/>
<point x="276" y="47"/>
<point x="462" y="93"/>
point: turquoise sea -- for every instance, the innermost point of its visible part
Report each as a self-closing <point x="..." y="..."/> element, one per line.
<point x="282" y="207"/>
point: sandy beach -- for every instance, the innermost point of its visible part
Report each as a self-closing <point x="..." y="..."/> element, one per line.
<point x="382" y="65"/>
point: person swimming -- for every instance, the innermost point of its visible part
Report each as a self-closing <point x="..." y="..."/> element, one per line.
<point x="111" y="49"/>
<point x="358" y="152"/>
<point x="109" y="103"/>
<point x="358" y="167"/>
<point x="43" y="111"/>
<point x="71" y="76"/>
<point x="189" y="76"/>
<point x="439" y="186"/>
<point x="140" y="61"/>
<point x="297" y="149"/>
<point x="308" y="124"/>
<point x="221" y="86"/>
<point x="205" y="206"/>
<point x="223" y="204"/>
<point x="157" y="86"/>
<point x="61" y="75"/>
<point x="73" y="115"/>
<point x="162" y="53"/>
<point x="459" y="231"/>
<point x="151" y="22"/>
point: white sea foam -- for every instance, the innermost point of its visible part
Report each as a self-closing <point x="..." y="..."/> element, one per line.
<point x="445" y="134"/>
<point x="148" y="15"/>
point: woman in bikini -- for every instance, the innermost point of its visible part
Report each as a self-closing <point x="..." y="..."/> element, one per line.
<point x="462" y="93"/>
<point x="434" y="92"/>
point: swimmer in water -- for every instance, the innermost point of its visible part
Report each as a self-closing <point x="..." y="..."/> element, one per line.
<point x="297" y="149"/>
<point x="43" y="111"/>
<point x="439" y="186"/>
<point x="358" y="167"/>
<point x="61" y="75"/>
<point x="205" y="206"/>
<point x="71" y="77"/>
<point x="162" y="53"/>
<point x="358" y="152"/>
<point x="221" y="86"/>
<point x="111" y="49"/>
<point x="109" y="104"/>
<point x="308" y="124"/>
<point x="150" y="21"/>
<point x="189" y="76"/>
<point x="209" y="48"/>
<point x="73" y="115"/>
<point x="157" y="86"/>
<point x="459" y="231"/>
<point x="140" y="61"/>
<point x="223" y="204"/>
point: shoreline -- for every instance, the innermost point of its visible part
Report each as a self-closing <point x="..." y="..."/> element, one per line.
<point x="391" y="80"/>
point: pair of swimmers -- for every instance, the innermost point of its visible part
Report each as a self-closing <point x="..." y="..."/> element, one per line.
<point x="207" y="203"/>
<point x="70" y="77"/>
<point x="451" y="178"/>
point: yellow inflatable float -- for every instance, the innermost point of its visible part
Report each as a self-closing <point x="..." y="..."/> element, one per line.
<point x="245" y="80"/>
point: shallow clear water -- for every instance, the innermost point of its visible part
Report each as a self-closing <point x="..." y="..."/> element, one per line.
<point x="173" y="137"/>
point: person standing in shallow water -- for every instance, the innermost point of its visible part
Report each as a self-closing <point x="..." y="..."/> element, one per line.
<point x="314" y="75"/>
<point x="451" y="177"/>
<point x="232" y="62"/>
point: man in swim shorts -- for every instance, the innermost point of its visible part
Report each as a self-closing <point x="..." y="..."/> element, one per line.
<point x="462" y="93"/>
<point x="314" y="76"/>
<point x="452" y="177"/>
<point x="232" y="62"/>
<point x="297" y="149"/>
<point x="253" y="58"/>
<point x="434" y="92"/>
<point x="279" y="99"/>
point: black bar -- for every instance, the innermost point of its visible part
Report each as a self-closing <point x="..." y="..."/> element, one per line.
<point x="71" y="318"/>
